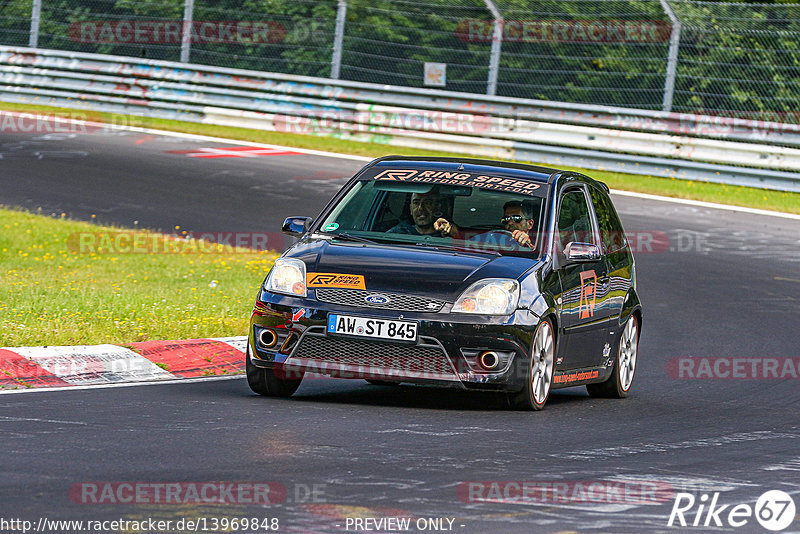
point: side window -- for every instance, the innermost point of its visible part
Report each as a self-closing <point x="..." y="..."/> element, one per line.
<point x="611" y="232"/>
<point x="359" y="201"/>
<point x="392" y="209"/>
<point x="574" y="220"/>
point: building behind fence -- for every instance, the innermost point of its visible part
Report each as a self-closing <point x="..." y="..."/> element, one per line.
<point x="677" y="55"/>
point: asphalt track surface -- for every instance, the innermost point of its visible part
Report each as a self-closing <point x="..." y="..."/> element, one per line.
<point x="728" y="285"/>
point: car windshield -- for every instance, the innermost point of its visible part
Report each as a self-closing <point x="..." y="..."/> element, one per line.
<point x="466" y="218"/>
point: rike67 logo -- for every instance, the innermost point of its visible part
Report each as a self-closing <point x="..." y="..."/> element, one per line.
<point x="774" y="511"/>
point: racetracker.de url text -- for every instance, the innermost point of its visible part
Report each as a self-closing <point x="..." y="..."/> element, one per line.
<point x="47" y="525"/>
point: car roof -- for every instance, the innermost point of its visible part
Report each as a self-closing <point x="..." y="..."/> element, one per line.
<point x="484" y="166"/>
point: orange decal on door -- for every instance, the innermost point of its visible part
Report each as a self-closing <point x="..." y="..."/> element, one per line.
<point x="588" y="294"/>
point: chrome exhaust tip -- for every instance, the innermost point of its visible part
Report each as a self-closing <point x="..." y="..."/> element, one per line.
<point x="489" y="360"/>
<point x="267" y="338"/>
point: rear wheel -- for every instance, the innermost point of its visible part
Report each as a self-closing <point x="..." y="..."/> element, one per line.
<point x="540" y="370"/>
<point x="621" y="379"/>
<point x="269" y="382"/>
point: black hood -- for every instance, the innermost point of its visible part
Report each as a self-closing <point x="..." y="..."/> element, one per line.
<point x="440" y="274"/>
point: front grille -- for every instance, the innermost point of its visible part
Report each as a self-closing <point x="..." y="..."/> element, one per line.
<point x="399" y="302"/>
<point x="331" y="354"/>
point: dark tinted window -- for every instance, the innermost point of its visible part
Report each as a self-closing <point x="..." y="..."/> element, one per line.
<point x="574" y="221"/>
<point x="611" y="231"/>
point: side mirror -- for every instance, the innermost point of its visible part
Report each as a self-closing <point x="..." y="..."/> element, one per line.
<point x="581" y="252"/>
<point x="296" y="226"/>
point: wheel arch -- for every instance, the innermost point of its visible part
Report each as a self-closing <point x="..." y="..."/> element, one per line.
<point x="552" y="314"/>
<point x="638" y="314"/>
<point x="631" y="306"/>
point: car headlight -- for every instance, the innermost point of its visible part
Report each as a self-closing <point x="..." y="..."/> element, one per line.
<point x="491" y="296"/>
<point x="288" y="276"/>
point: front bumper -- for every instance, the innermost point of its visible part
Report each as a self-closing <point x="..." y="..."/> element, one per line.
<point x="444" y="353"/>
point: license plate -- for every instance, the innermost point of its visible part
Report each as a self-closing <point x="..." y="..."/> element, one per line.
<point x="374" y="328"/>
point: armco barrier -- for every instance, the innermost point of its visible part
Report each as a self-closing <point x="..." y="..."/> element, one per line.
<point x="635" y="141"/>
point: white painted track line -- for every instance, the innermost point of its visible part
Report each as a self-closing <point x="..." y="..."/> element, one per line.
<point x="711" y="205"/>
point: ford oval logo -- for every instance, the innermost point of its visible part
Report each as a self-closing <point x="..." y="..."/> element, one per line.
<point x="377" y="299"/>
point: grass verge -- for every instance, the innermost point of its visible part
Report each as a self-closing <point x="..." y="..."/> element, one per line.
<point x="53" y="291"/>
<point x="671" y="187"/>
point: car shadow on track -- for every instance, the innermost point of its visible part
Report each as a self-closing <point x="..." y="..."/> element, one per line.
<point x="415" y="396"/>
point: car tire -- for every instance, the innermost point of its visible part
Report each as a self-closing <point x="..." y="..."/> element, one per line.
<point x="540" y="370"/>
<point x="382" y="382"/>
<point x="621" y="379"/>
<point x="267" y="382"/>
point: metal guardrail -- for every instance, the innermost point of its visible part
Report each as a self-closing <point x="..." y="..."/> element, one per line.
<point x="712" y="127"/>
<point x="626" y="140"/>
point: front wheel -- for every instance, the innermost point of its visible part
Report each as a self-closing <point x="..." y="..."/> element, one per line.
<point x="621" y="379"/>
<point x="540" y="370"/>
<point x="268" y="382"/>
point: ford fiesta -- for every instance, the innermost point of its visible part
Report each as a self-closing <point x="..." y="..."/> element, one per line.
<point x="476" y="274"/>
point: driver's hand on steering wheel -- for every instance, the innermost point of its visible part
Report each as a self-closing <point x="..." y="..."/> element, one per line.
<point x="522" y="238"/>
<point x="446" y="228"/>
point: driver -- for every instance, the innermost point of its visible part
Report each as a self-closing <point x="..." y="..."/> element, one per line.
<point x="518" y="219"/>
<point x="428" y="212"/>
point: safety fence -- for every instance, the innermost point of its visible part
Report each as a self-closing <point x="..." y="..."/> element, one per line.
<point x="734" y="151"/>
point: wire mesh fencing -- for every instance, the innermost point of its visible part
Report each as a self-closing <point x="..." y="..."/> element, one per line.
<point x="739" y="59"/>
<point x="589" y="51"/>
<point x="724" y="58"/>
<point x="389" y="42"/>
<point x="15" y="22"/>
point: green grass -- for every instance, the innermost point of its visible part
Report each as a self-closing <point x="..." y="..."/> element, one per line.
<point x="54" y="293"/>
<point x="695" y="190"/>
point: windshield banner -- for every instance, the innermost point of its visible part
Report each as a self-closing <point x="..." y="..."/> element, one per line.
<point x="466" y="179"/>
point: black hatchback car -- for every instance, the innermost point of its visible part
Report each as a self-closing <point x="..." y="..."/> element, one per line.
<point x="476" y="274"/>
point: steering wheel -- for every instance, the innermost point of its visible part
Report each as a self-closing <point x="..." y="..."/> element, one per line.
<point x="498" y="239"/>
<point x="497" y="233"/>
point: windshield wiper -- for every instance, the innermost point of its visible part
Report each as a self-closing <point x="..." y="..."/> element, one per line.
<point x="455" y="248"/>
<point x="344" y="236"/>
